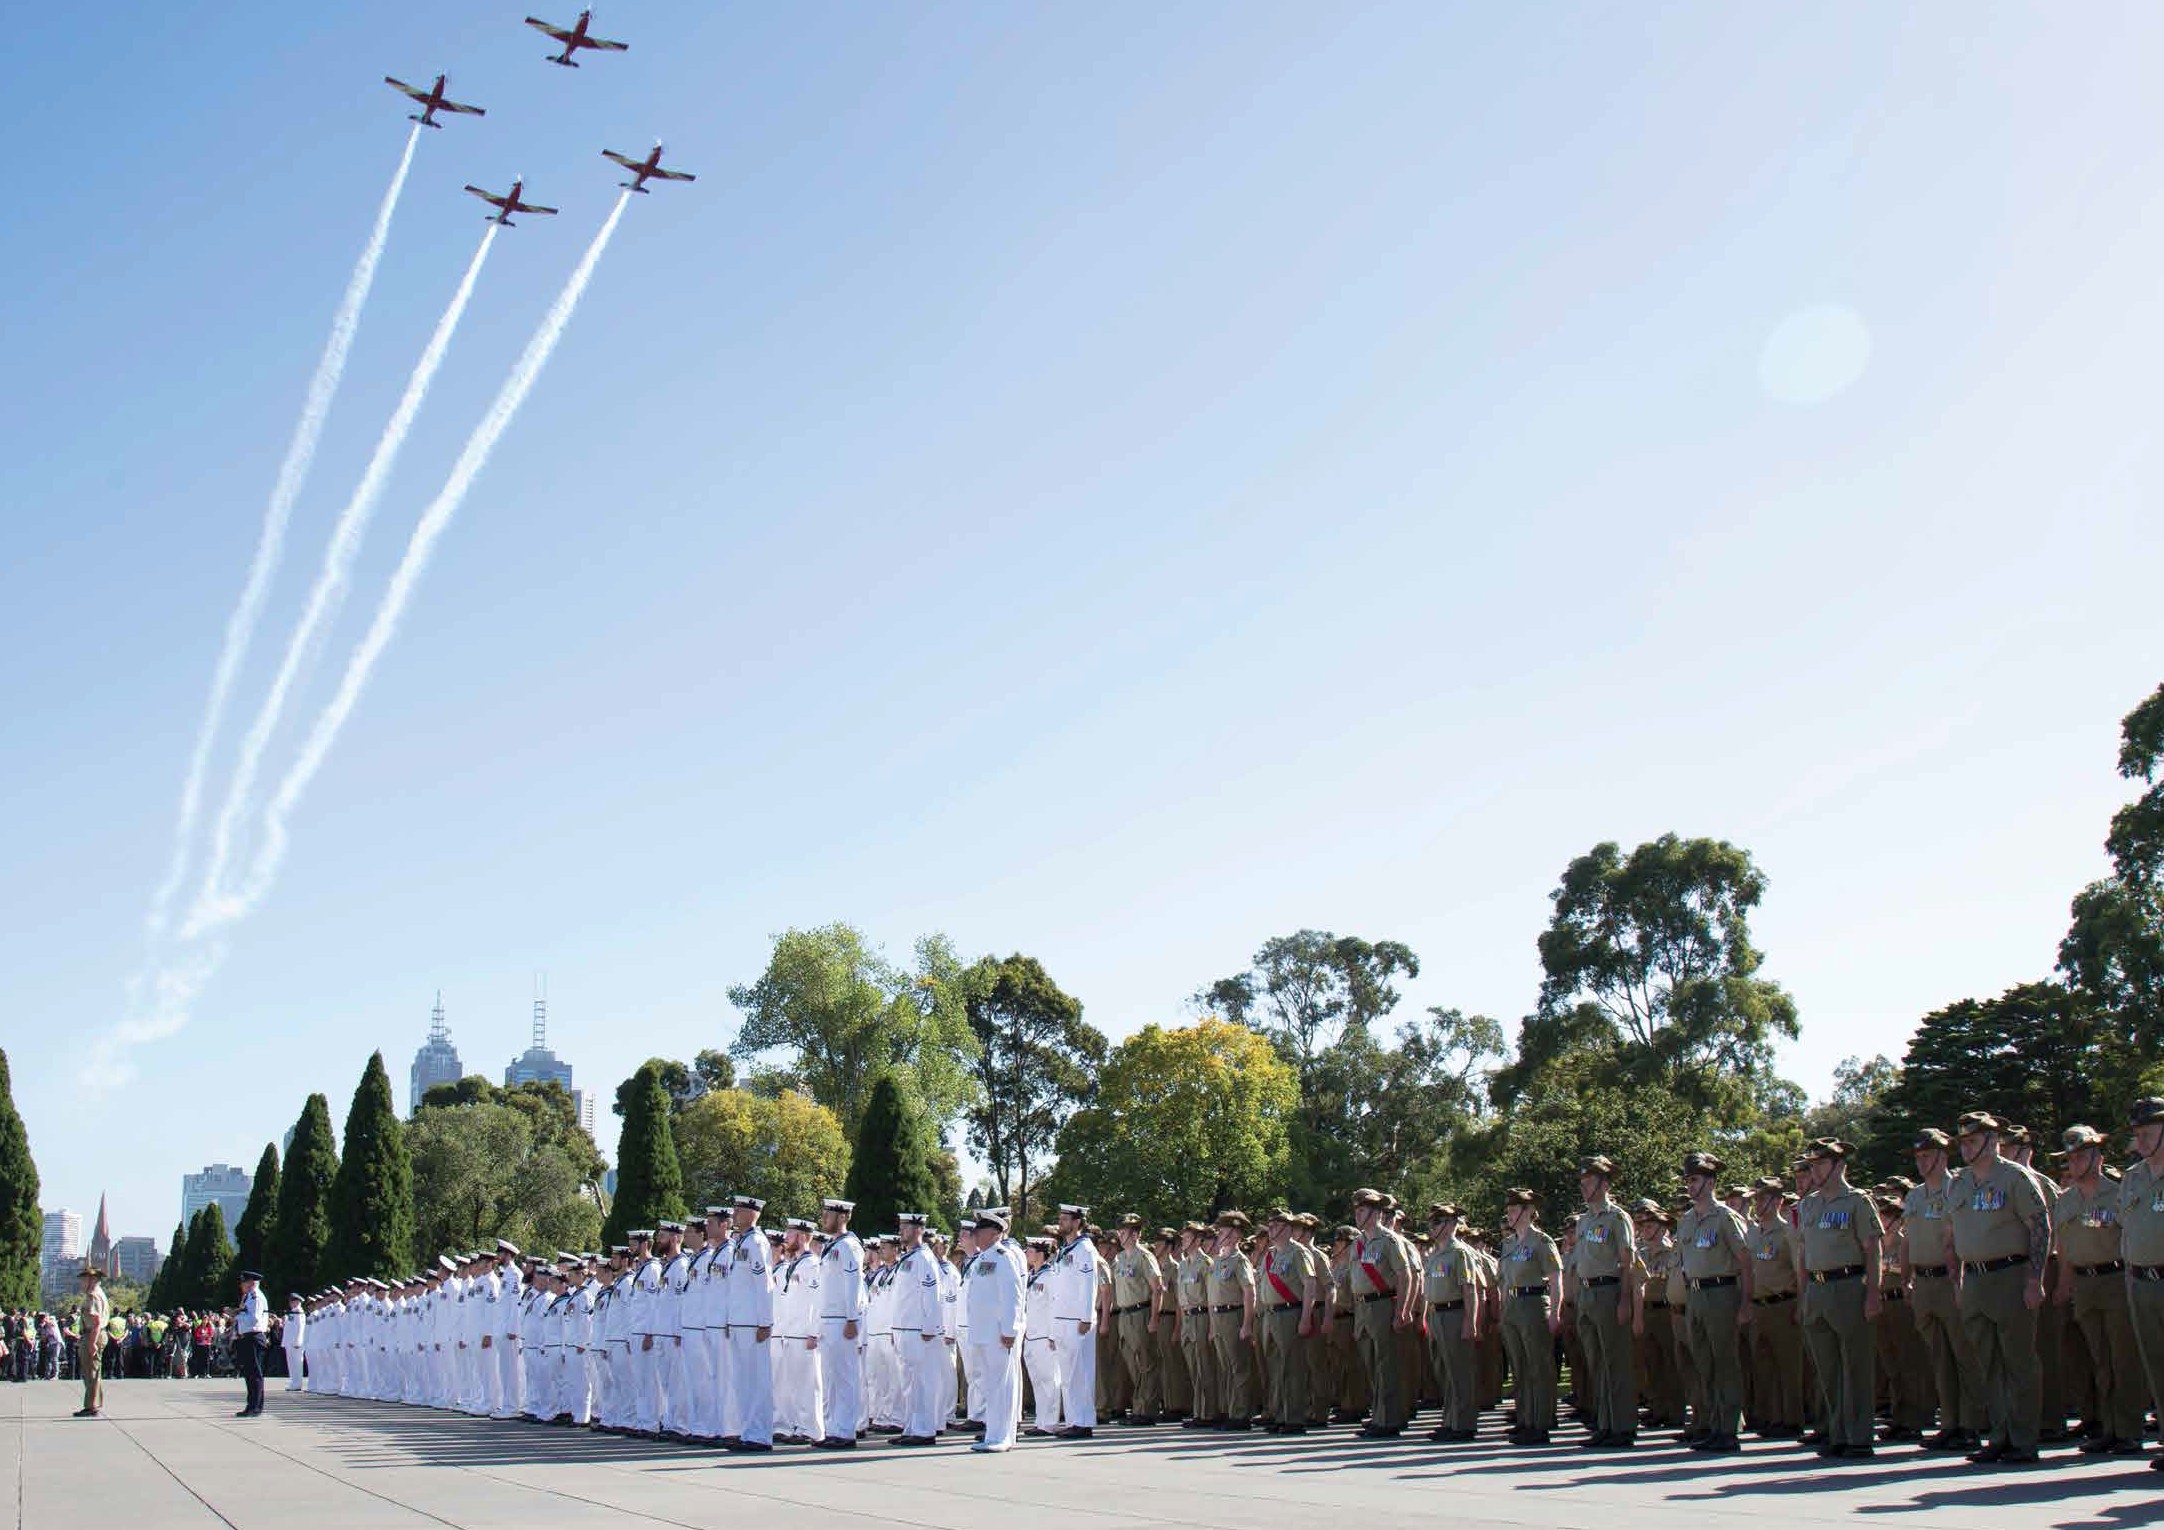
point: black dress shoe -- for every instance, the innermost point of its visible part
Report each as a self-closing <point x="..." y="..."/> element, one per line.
<point x="1723" y="1445"/>
<point x="912" y="1439"/>
<point x="1856" y="1452"/>
<point x="2156" y="1463"/>
<point x="1076" y="1432"/>
<point x="834" y="1442"/>
<point x="2012" y="1457"/>
<point x="751" y="1446"/>
<point x="1134" y="1421"/>
<point x="1292" y="1429"/>
<point x="2101" y="1445"/>
<point x="1986" y="1455"/>
<point x="1594" y="1441"/>
<point x="1945" y="1439"/>
<point x="1198" y="1423"/>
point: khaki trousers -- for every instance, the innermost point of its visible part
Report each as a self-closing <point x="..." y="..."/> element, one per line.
<point x="1228" y="1350"/>
<point x="1378" y="1343"/>
<point x="1658" y="1375"/>
<point x="1839" y="1339"/>
<point x="1138" y="1358"/>
<point x="1608" y="1392"/>
<point x="1284" y="1363"/>
<point x="1456" y="1366"/>
<point x="2002" y="1331"/>
<point x="1774" y="1352"/>
<point x="2145" y="1313"/>
<point x="1531" y="1351"/>
<point x="1901" y="1362"/>
<point x="1936" y="1307"/>
<point x="1201" y="1368"/>
<point x="1717" y="1356"/>
<point x="1352" y="1377"/>
<point x="2103" y="1318"/>
<point x="1172" y="1379"/>
<point x="90" y="1354"/>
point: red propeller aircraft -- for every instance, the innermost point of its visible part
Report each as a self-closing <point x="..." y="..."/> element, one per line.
<point x="433" y="100"/>
<point x="574" y="38"/>
<point x="509" y="203"/>
<point x="643" y="170"/>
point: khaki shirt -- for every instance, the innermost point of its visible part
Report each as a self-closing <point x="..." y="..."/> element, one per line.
<point x="1711" y="1243"/>
<point x="1929" y="1218"/>
<point x="1836" y="1228"/>
<point x="1192" y="1273"/>
<point x="97" y="1312"/>
<point x="1992" y="1211"/>
<point x="1660" y="1261"/>
<point x="1379" y="1254"/>
<point x="1604" y="1245"/>
<point x="1286" y="1267"/>
<point x="1230" y="1278"/>
<point x="1773" y="1257"/>
<point x="2141" y="1215"/>
<point x="1134" y="1275"/>
<point x="1452" y="1272"/>
<point x="2088" y="1225"/>
<point x="1528" y="1258"/>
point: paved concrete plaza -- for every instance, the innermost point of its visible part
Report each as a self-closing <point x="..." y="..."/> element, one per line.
<point x="172" y="1455"/>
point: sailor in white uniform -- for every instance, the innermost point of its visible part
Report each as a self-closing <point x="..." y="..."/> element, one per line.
<point x="751" y="1326"/>
<point x="841" y="1340"/>
<point x="1074" y="1316"/>
<point x="798" y="1401"/>
<point x="996" y="1279"/>
<point x="1040" y="1355"/>
<point x="920" y="1333"/>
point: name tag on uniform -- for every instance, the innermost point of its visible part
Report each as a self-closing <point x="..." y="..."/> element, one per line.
<point x="1988" y="1198"/>
<point x="1832" y="1221"/>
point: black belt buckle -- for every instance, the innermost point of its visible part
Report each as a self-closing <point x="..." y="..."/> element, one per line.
<point x="1993" y="1266"/>
<point x="1456" y="1306"/>
<point x="1595" y="1282"/>
<point x="1931" y="1271"/>
<point x="1378" y="1296"/>
<point x="2112" y="1268"/>
<point x="1774" y="1300"/>
<point x="1528" y="1290"/>
<point x="1845" y="1272"/>
<point x="2149" y="1272"/>
<point x="1284" y="1306"/>
<point x="1712" y="1282"/>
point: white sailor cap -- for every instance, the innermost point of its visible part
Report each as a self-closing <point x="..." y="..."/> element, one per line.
<point x="845" y="1207"/>
<point x="670" y="1226"/>
<point x="641" y="1232"/>
<point x="910" y="1218"/>
<point x="967" y="1224"/>
<point x="748" y="1203"/>
<point x="446" y="1262"/>
<point x="1067" y="1209"/>
<point x="717" y="1211"/>
<point x="506" y="1246"/>
<point x="994" y="1216"/>
<point x="797" y="1224"/>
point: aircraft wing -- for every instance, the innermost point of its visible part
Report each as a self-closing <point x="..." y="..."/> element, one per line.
<point x="673" y="175"/>
<point x="417" y="94"/>
<point x="488" y="196"/>
<point x="470" y="111"/>
<point x="528" y="207"/>
<point x="604" y="45"/>
<point x="624" y="159"/>
<point x="557" y="32"/>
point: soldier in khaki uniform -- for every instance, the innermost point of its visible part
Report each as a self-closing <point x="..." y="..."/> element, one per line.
<point x="1290" y="1296"/>
<point x="1532" y="1291"/>
<point x="2141" y="1227"/>
<point x="1658" y="1376"/>
<point x="1411" y="1332"/>
<point x="1838" y="1263"/>
<point x="1490" y="1343"/>
<point x="1934" y="1289"/>
<point x="1381" y="1288"/>
<point x="1774" y="1345"/>
<point x="1351" y="1392"/>
<point x="2019" y="1148"/>
<point x="1315" y="1344"/>
<point x="1450" y="1285"/>
<point x="1172" y="1376"/>
<point x="1718" y="1276"/>
<point x="90" y="1343"/>
<point x="1191" y="1298"/>
<point x="1231" y="1287"/>
<point x="1604" y="1273"/>
<point x="2002" y="1236"/>
<point x="1138" y="1291"/>
<point x="2092" y="1285"/>
<point x="1901" y="1359"/>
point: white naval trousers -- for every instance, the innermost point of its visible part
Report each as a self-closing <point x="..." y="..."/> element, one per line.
<point x="975" y="1389"/>
<point x="710" y="1382"/>
<point x="841" y="1379"/>
<point x="669" y="1349"/>
<point x="797" y="1400"/>
<point x="949" y="1382"/>
<point x="924" y="1361"/>
<point x="645" y="1383"/>
<point x="1042" y="1361"/>
<point x="886" y="1389"/>
<point x="751" y="1385"/>
<point x="507" y="1371"/>
<point x="998" y="1383"/>
<point x="1078" y="1372"/>
<point x="294" y="1366"/>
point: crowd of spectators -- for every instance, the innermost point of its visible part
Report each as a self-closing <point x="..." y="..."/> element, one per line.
<point x="41" y="1346"/>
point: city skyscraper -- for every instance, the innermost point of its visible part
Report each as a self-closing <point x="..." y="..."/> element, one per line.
<point x="60" y="1251"/>
<point x="436" y="1062"/>
<point x="219" y="1182"/>
<point x="136" y="1260"/>
<point x="537" y="1064"/>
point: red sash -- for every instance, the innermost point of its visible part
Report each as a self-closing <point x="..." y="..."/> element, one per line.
<point x="1283" y="1291"/>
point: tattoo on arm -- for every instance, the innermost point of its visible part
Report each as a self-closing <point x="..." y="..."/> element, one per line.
<point x="2039" y="1244"/>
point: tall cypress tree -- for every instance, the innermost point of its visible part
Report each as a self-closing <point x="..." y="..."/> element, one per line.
<point x="162" y="1284"/>
<point x="302" y="1232"/>
<point x="891" y="1170"/>
<point x="649" y="1181"/>
<point x="206" y="1275"/>
<point x="372" y="1197"/>
<point x="21" y="1228"/>
<point x="258" y="1222"/>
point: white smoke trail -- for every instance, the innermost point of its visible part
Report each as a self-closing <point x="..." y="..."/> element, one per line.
<point x="434" y="520"/>
<point x="292" y="473"/>
<point x="330" y="586"/>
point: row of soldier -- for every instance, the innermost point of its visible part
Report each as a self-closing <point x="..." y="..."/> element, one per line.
<point x="1982" y="1297"/>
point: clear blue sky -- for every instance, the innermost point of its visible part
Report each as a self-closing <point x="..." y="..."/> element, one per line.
<point x="1112" y="482"/>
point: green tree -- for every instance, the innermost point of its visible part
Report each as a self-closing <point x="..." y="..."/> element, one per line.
<point x="1649" y="969"/>
<point x="485" y="1171"/>
<point x="891" y="1169"/>
<point x="1184" y="1123"/>
<point x="788" y="1150"/>
<point x="1405" y="1109"/>
<point x="165" y="1282"/>
<point x="301" y="1234"/>
<point x="206" y="1267"/>
<point x="258" y="1224"/>
<point x="549" y="1110"/>
<point x="372" y="1195"/>
<point x="1855" y="1113"/>
<point x="649" y="1181"/>
<point x="1037" y="1060"/>
<point x="831" y="1015"/>
<point x="2114" y="948"/>
<point x="21" y="1226"/>
<point x="2041" y="1055"/>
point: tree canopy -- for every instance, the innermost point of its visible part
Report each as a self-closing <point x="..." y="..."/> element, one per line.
<point x="21" y="1226"/>
<point x="830" y="1016"/>
<point x="1184" y="1122"/>
<point x="372" y="1195"/>
<point x="787" y="1149"/>
<point x="487" y="1170"/>
<point x="649" y="1181"/>
<point x="258" y="1223"/>
<point x="891" y="1169"/>
<point x="1036" y="1061"/>
<point x="301" y="1234"/>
